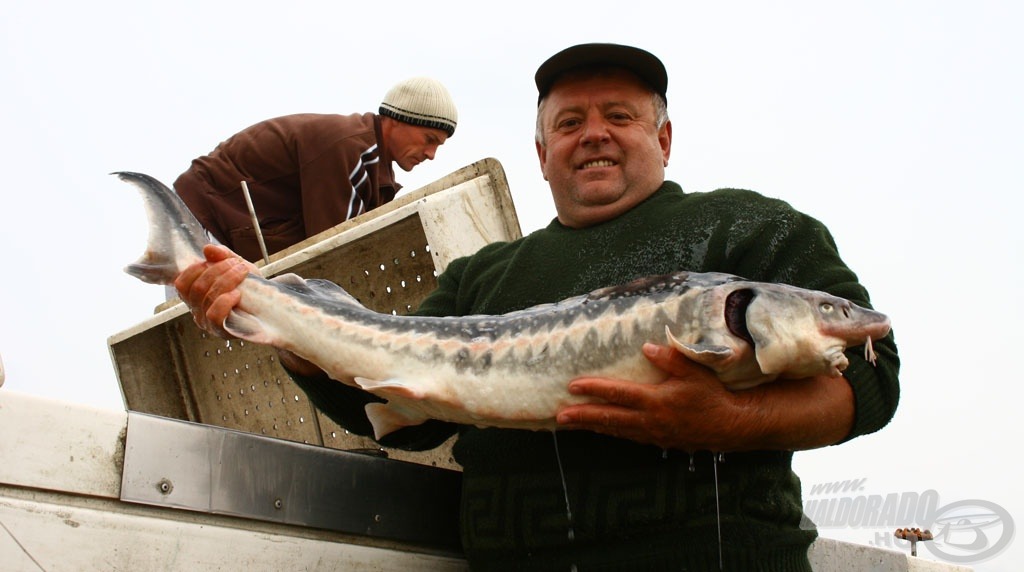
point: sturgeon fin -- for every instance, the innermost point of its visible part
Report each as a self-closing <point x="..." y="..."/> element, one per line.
<point x="242" y="324"/>
<point x="389" y="417"/>
<point x="291" y="280"/>
<point x="331" y="291"/>
<point x="705" y="354"/>
<point x="316" y="288"/>
<point x="389" y="387"/>
<point x="176" y="238"/>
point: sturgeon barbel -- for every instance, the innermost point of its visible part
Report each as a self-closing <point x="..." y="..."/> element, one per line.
<point x="513" y="370"/>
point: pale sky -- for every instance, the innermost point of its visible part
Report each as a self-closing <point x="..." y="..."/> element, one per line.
<point x="898" y="124"/>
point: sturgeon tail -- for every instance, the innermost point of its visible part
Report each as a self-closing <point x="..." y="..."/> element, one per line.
<point x="176" y="238"/>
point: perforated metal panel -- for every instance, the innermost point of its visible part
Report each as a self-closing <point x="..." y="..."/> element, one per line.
<point x="388" y="259"/>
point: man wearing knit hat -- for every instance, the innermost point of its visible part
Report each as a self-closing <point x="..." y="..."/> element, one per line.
<point x="308" y="172"/>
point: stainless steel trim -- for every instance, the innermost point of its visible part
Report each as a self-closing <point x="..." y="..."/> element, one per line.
<point x="184" y="465"/>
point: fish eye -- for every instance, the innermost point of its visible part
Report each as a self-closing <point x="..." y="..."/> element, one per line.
<point x="826" y="308"/>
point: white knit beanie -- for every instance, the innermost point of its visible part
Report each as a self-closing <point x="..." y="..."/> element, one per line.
<point x="421" y="101"/>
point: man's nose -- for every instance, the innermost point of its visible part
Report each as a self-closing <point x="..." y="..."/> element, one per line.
<point x="595" y="129"/>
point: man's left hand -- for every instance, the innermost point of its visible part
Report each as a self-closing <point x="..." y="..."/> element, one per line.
<point x="693" y="411"/>
<point x="689" y="411"/>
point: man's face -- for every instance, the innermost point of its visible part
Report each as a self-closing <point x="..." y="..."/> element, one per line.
<point x="602" y="152"/>
<point x="410" y="145"/>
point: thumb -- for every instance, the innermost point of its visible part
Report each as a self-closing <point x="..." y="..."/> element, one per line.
<point x="668" y="359"/>
<point x="217" y="252"/>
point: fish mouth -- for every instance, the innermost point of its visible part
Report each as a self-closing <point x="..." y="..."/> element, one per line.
<point x="736" y="304"/>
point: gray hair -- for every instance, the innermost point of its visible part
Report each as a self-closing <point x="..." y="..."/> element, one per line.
<point x="660" y="115"/>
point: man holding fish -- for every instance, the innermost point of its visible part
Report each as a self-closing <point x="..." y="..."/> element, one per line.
<point x="682" y="474"/>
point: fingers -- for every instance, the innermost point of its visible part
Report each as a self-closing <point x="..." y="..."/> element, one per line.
<point x="219" y="279"/>
<point x="183" y="283"/>
<point x="219" y="253"/>
<point x="209" y="288"/>
<point x="219" y="310"/>
<point x="606" y="417"/>
<point x="673" y="413"/>
<point x="624" y="393"/>
<point x="616" y="407"/>
<point x="669" y="360"/>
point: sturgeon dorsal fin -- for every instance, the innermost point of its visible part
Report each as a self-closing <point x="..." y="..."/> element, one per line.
<point x="640" y="286"/>
<point x="316" y="288"/>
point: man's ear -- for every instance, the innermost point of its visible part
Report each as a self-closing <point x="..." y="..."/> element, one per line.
<point x="542" y="157"/>
<point x="665" y="140"/>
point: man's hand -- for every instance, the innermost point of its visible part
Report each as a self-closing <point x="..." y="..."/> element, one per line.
<point x="684" y="412"/>
<point x="692" y="410"/>
<point x="209" y="288"/>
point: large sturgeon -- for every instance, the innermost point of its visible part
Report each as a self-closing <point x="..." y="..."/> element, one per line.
<point x="513" y="370"/>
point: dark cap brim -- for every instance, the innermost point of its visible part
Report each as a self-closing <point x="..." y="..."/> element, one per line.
<point x="643" y="63"/>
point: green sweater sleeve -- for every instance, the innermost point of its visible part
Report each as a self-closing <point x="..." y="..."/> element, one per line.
<point x="785" y="245"/>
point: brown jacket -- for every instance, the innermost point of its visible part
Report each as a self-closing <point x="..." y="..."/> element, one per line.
<point x="301" y="171"/>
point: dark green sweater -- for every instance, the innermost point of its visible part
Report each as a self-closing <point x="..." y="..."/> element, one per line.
<point x="634" y="507"/>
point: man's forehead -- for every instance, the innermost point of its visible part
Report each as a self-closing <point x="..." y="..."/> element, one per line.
<point x="606" y="86"/>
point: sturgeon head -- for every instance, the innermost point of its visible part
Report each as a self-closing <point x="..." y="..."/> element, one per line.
<point x="764" y="331"/>
<point x="800" y="333"/>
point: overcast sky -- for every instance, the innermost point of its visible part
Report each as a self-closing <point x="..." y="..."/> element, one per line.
<point x="898" y="124"/>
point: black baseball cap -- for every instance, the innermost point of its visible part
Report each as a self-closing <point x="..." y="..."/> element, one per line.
<point x="641" y="62"/>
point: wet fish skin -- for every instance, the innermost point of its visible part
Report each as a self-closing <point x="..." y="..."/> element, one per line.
<point x="172" y="228"/>
<point x="513" y="370"/>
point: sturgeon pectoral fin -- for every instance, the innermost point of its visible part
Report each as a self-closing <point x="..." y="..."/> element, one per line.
<point x="247" y="326"/>
<point x="706" y="354"/>
<point x="389" y="417"/>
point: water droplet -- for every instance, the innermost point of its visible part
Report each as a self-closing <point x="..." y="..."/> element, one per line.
<point x="565" y="488"/>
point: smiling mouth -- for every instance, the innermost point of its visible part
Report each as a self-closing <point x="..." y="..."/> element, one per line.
<point x="597" y="163"/>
